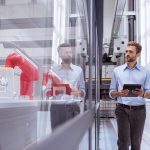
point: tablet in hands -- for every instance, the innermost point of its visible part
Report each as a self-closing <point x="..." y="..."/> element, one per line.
<point x="131" y="87"/>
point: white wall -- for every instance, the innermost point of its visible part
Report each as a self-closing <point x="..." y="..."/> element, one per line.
<point x="144" y="30"/>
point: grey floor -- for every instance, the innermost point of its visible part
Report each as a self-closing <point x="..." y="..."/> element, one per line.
<point x="108" y="135"/>
<point x="108" y="127"/>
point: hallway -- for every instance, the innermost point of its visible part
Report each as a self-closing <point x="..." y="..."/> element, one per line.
<point x="108" y="135"/>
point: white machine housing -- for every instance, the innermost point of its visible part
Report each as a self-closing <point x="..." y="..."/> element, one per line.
<point x="6" y="82"/>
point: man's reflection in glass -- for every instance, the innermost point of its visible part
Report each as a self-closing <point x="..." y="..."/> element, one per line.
<point x="68" y="72"/>
<point x="65" y="75"/>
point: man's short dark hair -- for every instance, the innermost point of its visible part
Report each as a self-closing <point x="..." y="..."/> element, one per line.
<point x="137" y="45"/>
<point x="63" y="45"/>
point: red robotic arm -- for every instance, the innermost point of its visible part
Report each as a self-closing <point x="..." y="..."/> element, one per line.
<point x="55" y="82"/>
<point x="50" y="75"/>
<point x="29" y="73"/>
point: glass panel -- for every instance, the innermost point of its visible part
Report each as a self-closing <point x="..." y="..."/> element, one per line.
<point x="30" y="38"/>
<point x="43" y="49"/>
<point x="22" y="123"/>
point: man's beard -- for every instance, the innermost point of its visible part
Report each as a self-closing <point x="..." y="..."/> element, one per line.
<point x="67" y="60"/>
<point x="130" y="59"/>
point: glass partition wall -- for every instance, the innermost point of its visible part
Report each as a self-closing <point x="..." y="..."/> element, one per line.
<point x="30" y="33"/>
<point x="43" y="52"/>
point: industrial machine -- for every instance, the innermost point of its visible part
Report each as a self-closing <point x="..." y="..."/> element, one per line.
<point x="6" y="82"/>
<point x="30" y="70"/>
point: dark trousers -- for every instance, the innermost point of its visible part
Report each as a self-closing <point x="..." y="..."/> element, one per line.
<point x="61" y="113"/>
<point x="130" y="127"/>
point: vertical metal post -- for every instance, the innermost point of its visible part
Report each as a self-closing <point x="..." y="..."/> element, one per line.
<point x="97" y="99"/>
<point x="131" y="21"/>
<point x="99" y="23"/>
<point x="91" y="29"/>
<point x="91" y="22"/>
<point x="95" y="45"/>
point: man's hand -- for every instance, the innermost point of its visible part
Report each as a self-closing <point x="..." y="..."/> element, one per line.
<point x="124" y="92"/>
<point x="138" y="92"/>
<point x="146" y="95"/>
<point x="76" y="92"/>
<point x="120" y="93"/>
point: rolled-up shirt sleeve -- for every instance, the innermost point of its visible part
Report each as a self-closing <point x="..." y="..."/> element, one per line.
<point x="82" y="83"/>
<point x="113" y="85"/>
<point x="147" y="82"/>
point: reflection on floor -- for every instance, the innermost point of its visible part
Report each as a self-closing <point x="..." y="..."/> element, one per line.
<point x="108" y="135"/>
